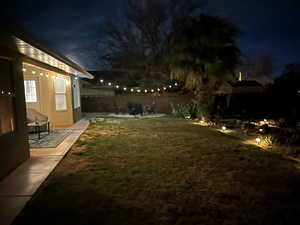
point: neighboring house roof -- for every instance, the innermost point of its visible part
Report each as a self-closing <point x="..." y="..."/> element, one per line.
<point x="245" y="83"/>
<point x="28" y="41"/>
<point x="245" y="86"/>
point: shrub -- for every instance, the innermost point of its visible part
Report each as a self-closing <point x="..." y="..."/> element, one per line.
<point x="191" y="110"/>
<point x="286" y="137"/>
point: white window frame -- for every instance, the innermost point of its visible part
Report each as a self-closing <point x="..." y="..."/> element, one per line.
<point x="60" y="92"/>
<point x="30" y="88"/>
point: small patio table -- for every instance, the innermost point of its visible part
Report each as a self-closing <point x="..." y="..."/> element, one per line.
<point x="37" y="127"/>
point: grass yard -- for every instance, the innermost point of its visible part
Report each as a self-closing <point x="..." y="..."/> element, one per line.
<point x="166" y="171"/>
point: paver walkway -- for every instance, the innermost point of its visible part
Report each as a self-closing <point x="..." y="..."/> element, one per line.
<point x="19" y="186"/>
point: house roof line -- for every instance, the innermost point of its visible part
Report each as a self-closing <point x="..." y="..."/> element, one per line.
<point x="18" y="32"/>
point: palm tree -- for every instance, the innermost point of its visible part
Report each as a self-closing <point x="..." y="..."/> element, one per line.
<point x="204" y="55"/>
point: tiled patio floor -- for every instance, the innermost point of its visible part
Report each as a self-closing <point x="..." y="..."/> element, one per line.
<point x="18" y="187"/>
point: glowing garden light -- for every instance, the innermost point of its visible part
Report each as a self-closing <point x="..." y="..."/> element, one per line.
<point x="152" y="90"/>
<point x="125" y="89"/>
<point x="24" y="69"/>
<point x="109" y="84"/>
<point x="258" y="140"/>
<point x="117" y="86"/>
<point x="9" y="93"/>
<point x="41" y="74"/>
<point x="265" y="120"/>
<point x="139" y="91"/>
<point x="146" y="91"/>
<point x="131" y="90"/>
<point x="261" y="130"/>
<point x="176" y="84"/>
<point x="101" y="81"/>
<point x="170" y="86"/>
<point x="47" y="75"/>
<point x="165" y="88"/>
<point x="224" y="128"/>
<point x="33" y="72"/>
<point x="158" y="89"/>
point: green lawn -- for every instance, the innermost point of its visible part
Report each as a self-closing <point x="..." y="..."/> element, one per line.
<point x="166" y="171"/>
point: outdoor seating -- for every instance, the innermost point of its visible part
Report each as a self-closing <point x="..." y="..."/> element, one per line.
<point x="37" y="122"/>
<point x="135" y="109"/>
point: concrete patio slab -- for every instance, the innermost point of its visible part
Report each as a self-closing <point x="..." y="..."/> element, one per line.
<point x="19" y="186"/>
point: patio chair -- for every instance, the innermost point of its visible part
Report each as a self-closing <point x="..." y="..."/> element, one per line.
<point x="37" y="122"/>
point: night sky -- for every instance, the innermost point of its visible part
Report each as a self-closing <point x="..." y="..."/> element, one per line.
<point x="73" y="27"/>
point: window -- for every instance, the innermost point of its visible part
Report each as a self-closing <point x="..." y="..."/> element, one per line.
<point x="60" y="86"/>
<point x="76" y="93"/>
<point x="30" y="91"/>
<point x="7" y="99"/>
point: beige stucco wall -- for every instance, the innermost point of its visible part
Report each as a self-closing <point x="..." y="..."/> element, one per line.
<point x="46" y="95"/>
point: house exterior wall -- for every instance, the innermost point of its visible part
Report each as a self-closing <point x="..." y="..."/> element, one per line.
<point x="14" y="148"/>
<point x="46" y="95"/>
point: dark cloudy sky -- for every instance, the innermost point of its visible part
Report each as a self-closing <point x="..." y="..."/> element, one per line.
<point x="73" y="27"/>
